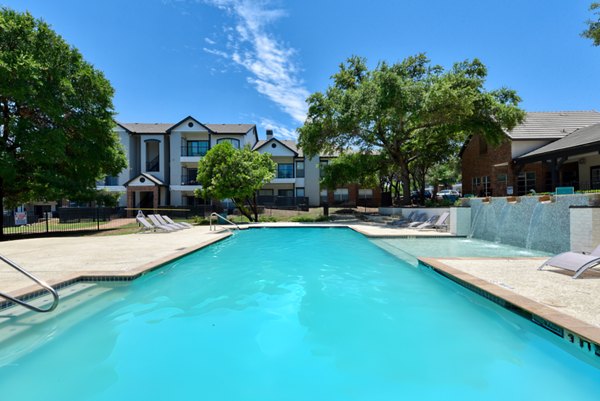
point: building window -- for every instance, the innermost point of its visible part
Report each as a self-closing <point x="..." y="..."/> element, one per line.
<point x="288" y="193"/>
<point x="110" y="181"/>
<point x="265" y="192"/>
<point x="595" y="177"/>
<point x="189" y="176"/>
<point x="299" y="192"/>
<point x="502" y="179"/>
<point x="475" y="183"/>
<point x="152" y="155"/>
<point x="324" y="197"/>
<point x="234" y="142"/>
<point x="341" y="195"/>
<point x="285" y="170"/>
<point x="300" y="169"/>
<point x="486" y="186"/>
<point x="525" y="182"/>
<point x="322" y="165"/>
<point x="366" y="193"/>
<point x="195" y="148"/>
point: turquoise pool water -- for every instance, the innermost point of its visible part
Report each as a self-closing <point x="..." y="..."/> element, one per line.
<point x="409" y="249"/>
<point x="291" y="314"/>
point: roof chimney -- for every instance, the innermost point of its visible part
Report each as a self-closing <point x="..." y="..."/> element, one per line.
<point x="269" y="134"/>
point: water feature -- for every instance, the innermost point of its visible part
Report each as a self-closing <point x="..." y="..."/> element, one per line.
<point x="525" y="221"/>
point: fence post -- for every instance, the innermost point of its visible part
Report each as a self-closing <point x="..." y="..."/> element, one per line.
<point x="47" y="225"/>
<point x="98" y="218"/>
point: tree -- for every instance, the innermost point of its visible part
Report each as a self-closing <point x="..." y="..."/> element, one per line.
<point x="393" y="107"/>
<point x="229" y="173"/>
<point x="593" y="31"/>
<point x="56" y="117"/>
<point x="359" y="168"/>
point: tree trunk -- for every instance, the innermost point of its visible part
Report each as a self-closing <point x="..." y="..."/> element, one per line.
<point x="242" y="209"/>
<point x="405" y="179"/>
<point x="255" y="207"/>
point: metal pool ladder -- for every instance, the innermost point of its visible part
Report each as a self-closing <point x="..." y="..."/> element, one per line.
<point x="46" y="287"/>
<point x="218" y="216"/>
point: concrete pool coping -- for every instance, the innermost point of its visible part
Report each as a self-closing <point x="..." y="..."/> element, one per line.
<point x="127" y="257"/>
<point x="462" y="271"/>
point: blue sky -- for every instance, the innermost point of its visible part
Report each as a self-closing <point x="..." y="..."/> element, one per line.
<point x="242" y="61"/>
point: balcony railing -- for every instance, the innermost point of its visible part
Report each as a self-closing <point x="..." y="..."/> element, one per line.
<point x="282" y="201"/>
<point x="189" y="179"/>
<point x="193" y="152"/>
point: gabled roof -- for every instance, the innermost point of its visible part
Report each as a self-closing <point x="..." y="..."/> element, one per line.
<point x="581" y="141"/>
<point x="144" y="128"/>
<point x="181" y="122"/>
<point x="291" y="145"/>
<point x="234" y="129"/>
<point x="147" y="176"/>
<point x="553" y="125"/>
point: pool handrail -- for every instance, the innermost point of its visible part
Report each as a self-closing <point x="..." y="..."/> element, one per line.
<point x="218" y="216"/>
<point x="43" y="284"/>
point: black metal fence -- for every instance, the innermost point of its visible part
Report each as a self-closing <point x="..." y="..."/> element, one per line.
<point x="78" y="219"/>
<point x="282" y="202"/>
<point x="65" y="219"/>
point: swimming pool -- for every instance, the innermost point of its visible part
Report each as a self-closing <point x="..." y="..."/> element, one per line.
<point x="408" y="249"/>
<point x="292" y="314"/>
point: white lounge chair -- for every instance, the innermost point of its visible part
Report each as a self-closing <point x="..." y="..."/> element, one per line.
<point x="158" y="224"/>
<point x="404" y="220"/>
<point x="438" y="224"/>
<point x="146" y="226"/>
<point x="181" y="223"/>
<point x="162" y="221"/>
<point x="574" y="261"/>
<point x="421" y="219"/>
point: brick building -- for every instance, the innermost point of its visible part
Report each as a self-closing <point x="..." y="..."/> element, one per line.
<point x="507" y="169"/>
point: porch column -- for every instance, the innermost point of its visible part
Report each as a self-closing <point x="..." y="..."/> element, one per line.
<point x="156" y="193"/>
<point x="130" y="201"/>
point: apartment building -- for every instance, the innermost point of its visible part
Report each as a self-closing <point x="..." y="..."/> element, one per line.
<point x="547" y="150"/>
<point x="163" y="161"/>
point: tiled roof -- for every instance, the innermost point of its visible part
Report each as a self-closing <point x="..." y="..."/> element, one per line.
<point x="553" y="125"/>
<point x="143" y="128"/>
<point x="230" y="128"/>
<point x="581" y="137"/>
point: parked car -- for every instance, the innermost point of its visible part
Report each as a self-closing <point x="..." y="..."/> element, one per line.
<point x="414" y="195"/>
<point x="448" y="193"/>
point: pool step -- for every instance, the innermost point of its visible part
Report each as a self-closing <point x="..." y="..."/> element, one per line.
<point x="15" y="320"/>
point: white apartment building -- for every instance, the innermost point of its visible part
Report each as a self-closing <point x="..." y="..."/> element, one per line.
<point x="163" y="161"/>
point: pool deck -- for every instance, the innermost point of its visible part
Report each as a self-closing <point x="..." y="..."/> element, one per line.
<point x="573" y="304"/>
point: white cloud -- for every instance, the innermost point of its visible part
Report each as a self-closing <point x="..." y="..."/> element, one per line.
<point x="279" y="131"/>
<point x="270" y="63"/>
<point x="210" y="41"/>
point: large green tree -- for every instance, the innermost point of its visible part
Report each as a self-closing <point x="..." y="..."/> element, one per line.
<point x="593" y="30"/>
<point x="391" y="108"/>
<point x="56" y="116"/>
<point x="236" y="174"/>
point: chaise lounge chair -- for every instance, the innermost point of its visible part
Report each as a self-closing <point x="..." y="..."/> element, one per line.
<point x="421" y="219"/>
<point x="574" y="261"/>
<point x="438" y="224"/>
<point x="146" y="226"/>
<point x="158" y="224"/>
<point x="165" y="223"/>
<point x="404" y="220"/>
<point x="181" y="223"/>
